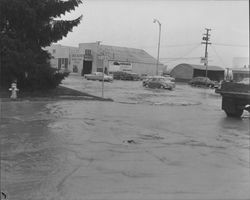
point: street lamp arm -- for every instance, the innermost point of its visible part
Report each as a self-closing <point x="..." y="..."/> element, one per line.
<point x="156" y="20"/>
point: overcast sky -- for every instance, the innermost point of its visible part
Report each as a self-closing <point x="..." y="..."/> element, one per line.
<point x="129" y="23"/>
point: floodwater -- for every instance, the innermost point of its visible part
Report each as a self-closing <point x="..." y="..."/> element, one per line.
<point x="147" y="144"/>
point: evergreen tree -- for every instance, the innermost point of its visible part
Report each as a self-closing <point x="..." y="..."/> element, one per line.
<point x="26" y="26"/>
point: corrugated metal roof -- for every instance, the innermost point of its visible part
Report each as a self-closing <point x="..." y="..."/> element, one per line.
<point x="202" y="67"/>
<point x="127" y="54"/>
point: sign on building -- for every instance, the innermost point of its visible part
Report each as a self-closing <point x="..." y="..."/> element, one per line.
<point x="115" y="66"/>
<point x="76" y="61"/>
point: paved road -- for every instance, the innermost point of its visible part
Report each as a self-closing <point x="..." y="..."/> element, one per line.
<point x="147" y="144"/>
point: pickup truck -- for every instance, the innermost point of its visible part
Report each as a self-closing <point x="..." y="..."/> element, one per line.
<point x="235" y="97"/>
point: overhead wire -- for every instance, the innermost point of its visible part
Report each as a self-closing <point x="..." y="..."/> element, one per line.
<point x="184" y="55"/>
<point x="171" y="45"/>
<point x="215" y="51"/>
<point x="230" y="45"/>
<point x="177" y="58"/>
<point x="180" y="45"/>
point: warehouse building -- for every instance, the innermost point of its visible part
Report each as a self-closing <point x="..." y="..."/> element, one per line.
<point x="240" y="73"/>
<point x="92" y="57"/>
<point x="185" y="72"/>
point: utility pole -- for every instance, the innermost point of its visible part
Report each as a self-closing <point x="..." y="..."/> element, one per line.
<point x="206" y="39"/>
<point x="159" y="42"/>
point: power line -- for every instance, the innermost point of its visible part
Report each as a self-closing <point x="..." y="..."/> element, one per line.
<point x="213" y="48"/>
<point x="187" y="53"/>
<point x="192" y="44"/>
<point x="171" y="45"/>
<point x="177" y="58"/>
<point x="180" y="45"/>
<point x="230" y="45"/>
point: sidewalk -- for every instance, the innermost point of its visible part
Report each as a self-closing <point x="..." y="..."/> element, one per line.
<point x="59" y="93"/>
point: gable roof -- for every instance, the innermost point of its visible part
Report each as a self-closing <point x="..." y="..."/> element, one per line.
<point x="126" y="54"/>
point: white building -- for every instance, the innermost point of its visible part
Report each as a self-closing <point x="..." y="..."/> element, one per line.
<point x="91" y="57"/>
<point x="240" y="62"/>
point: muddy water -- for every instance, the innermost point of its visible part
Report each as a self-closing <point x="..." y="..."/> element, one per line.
<point x="145" y="145"/>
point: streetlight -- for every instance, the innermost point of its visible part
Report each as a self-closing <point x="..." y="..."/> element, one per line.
<point x="157" y="65"/>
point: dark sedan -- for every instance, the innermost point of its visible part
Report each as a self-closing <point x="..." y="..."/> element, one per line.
<point x="203" y="81"/>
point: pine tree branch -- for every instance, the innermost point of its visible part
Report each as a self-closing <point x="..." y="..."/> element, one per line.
<point x="56" y="8"/>
<point x="57" y="30"/>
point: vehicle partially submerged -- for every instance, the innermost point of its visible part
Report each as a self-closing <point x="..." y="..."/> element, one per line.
<point x="127" y="76"/>
<point x="99" y="76"/>
<point x="159" y="82"/>
<point x="235" y="97"/>
<point x="201" y="81"/>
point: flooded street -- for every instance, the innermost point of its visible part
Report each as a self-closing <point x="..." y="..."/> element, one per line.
<point x="147" y="144"/>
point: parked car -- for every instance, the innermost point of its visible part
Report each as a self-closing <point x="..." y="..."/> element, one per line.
<point x="99" y="76"/>
<point x="169" y="77"/>
<point x="121" y="75"/>
<point x="159" y="82"/>
<point x="131" y="76"/>
<point x="144" y="76"/>
<point x="203" y="81"/>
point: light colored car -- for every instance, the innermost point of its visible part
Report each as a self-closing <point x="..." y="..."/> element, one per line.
<point x="98" y="76"/>
<point x="159" y="82"/>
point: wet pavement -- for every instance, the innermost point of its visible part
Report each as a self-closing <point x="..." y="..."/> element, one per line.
<point x="147" y="144"/>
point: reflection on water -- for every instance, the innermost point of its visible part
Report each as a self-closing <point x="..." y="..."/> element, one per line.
<point x="84" y="150"/>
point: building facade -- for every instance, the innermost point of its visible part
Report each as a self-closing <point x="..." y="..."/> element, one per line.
<point x="61" y="59"/>
<point x="92" y="57"/>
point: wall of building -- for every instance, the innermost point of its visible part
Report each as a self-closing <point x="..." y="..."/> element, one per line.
<point x="240" y="73"/>
<point x="60" y="56"/>
<point x="144" y="68"/>
<point x="94" y="52"/>
<point x="76" y="61"/>
<point x="211" y="74"/>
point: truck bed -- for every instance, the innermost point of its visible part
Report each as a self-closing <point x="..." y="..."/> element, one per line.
<point x="234" y="89"/>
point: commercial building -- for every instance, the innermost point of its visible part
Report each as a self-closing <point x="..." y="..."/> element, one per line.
<point x="91" y="57"/>
<point x="60" y="56"/>
<point x="185" y="72"/>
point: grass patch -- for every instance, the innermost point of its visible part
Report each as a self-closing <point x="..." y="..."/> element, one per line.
<point x="58" y="93"/>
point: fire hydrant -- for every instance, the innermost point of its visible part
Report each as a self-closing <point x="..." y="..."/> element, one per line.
<point x="13" y="90"/>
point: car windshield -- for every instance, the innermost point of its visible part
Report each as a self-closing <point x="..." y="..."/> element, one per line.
<point x="157" y="79"/>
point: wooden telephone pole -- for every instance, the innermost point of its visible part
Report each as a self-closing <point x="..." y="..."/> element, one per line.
<point x="206" y="38"/>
